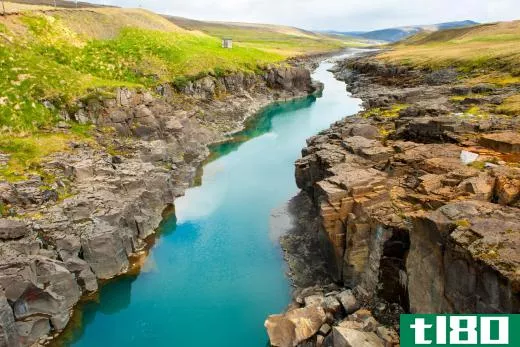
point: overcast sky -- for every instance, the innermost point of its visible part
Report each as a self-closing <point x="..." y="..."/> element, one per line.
<point x="346" y="15"/>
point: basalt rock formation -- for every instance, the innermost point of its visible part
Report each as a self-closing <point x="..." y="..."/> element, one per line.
<point x="54" y="250"/>
<point x="418" y="199"/>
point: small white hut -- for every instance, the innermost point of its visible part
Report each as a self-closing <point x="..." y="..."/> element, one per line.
<point x="227" y="42"/>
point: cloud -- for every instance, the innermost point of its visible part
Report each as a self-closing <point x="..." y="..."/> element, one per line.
<point x="334" y="14"/>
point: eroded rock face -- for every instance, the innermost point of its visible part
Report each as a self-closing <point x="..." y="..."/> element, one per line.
<point x="8" y="330"/>
<point x="404" y="215"/>
<point x="463" y="258"/>
<point x="12" y="229"/>
<point x="56" y="250"/>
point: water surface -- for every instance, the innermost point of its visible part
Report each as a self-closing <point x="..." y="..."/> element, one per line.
<point x="215" y="273"/>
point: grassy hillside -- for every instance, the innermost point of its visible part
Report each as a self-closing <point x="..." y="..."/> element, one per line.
<point x="63" y="55"/>
<point x="279" y="39"/>
<point x="490" y="47"/>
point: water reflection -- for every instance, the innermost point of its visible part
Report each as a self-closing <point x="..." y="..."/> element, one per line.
<point x="260" y="125"/>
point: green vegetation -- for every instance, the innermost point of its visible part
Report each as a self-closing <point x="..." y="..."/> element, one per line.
<point x="27" y="151"/>
<point x="510" y="106"/>
<point x="57" y="64"/>
<point x="64" y="55"/>
<point x="392" y="112"/>
<point x="50" y="60"/>
<point x="463" y="223"/>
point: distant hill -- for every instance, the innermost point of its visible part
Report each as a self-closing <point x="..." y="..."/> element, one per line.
<point x="280" y="39"/>
<point x="492" y="46"/>
<point x="401" y="33"/>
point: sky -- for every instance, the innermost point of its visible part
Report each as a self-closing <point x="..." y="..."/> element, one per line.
<point x="341" y="15"/>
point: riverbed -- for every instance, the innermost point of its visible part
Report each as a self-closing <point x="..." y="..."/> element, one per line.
<point x="216" y="272"/>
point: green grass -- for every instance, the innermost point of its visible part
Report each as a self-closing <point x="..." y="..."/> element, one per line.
<point x="392" y="112"/>
<point x="26" y="151"/>
<point x="55" y="63"/>
<point x="510" y="106"/>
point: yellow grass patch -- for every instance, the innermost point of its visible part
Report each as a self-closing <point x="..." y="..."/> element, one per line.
<point x="494" y="46"/>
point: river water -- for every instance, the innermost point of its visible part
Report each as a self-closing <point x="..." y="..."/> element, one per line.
<point x="216" y="272"/>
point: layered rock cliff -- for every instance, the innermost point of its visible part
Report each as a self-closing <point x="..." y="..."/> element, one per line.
<point x="146" y="152"/>
<point x="417" y="201"/>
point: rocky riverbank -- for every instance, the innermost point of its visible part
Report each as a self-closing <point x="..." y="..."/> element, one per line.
<point x="108" y="194"/>
<point x="417" y="205"/>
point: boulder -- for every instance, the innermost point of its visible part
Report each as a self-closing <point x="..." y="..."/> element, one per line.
<point x="331" y="304"/>
<point x="348" y="300"/>
<point x="345" y="337"/>
<point x="11" y="229"/>
<point x="104" y="250"/>
<point x="52" y="293"/>
<point x="294" y="327"/>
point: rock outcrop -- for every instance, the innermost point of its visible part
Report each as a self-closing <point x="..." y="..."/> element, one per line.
<point x="416" y="201"/>
<point x="55" y="248"/>
<point x="418" y="204"/>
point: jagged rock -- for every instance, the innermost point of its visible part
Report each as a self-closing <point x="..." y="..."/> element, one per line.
<point x="332" y="305"/>
<point x="507" y="186"/>
<point x="85" y="277"/>
<point x="53" y="293"/>
<point x="481" y="187"/>
<point x="11" y="229"/>
<point x="31" y="330"/>
<point x="460" y="90"/>
<point x="348" y="300"/>
<point x="442" y="76"/>
<point x="345" y="337"/>
<point x="173" y="125"/>
<point x="325" y="329"/>
<point x="364" y="130"/>
<point x="314" y="300"/>
<point x="295" y="326"/>
<point x="468" y="277"/>
<point x="105" y="251"/>
<point x="482" y="88"/>
<point x="8" y="331"/>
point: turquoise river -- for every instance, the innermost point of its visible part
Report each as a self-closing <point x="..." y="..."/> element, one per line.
<point x="216" y="271"/>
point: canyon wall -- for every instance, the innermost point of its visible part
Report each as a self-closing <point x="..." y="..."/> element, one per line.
<point x="146" y="152"/>
<point x="418" y="202"/>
